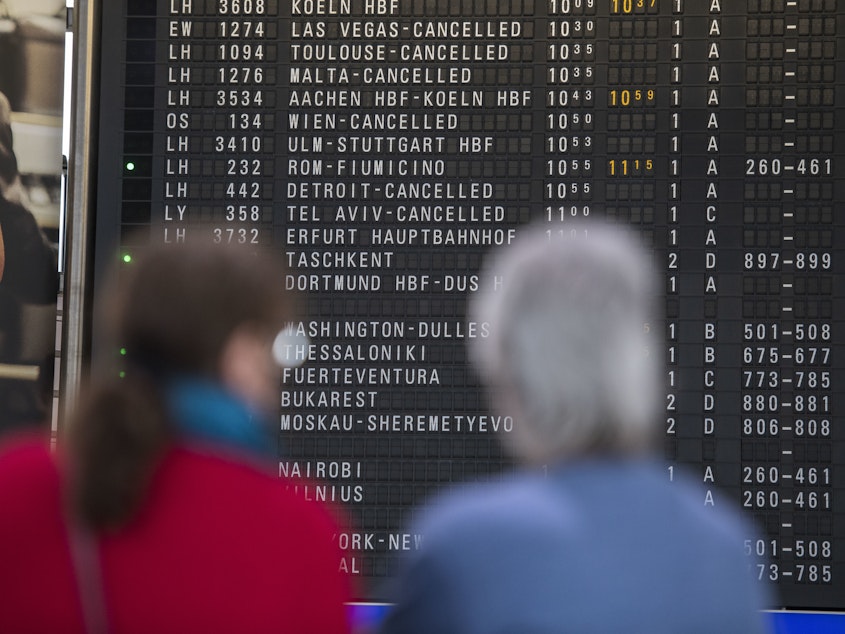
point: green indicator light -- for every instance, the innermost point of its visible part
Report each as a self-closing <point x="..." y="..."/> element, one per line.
<point x="127" y="258"/>
<point x="122" y="374"/>
<point x="130" y="166"/>
<point x="123" y="352"/>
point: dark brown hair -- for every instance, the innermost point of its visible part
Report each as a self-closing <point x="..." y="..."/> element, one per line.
<point x="173" y="309"/>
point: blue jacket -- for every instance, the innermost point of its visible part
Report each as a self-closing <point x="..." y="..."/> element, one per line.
<point x="593" y="547"/>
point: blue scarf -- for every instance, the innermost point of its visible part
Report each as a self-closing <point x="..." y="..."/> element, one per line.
<point x="202" y="410"/>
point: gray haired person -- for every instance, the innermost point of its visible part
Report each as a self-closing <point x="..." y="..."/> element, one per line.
<point x="598" y="539"/>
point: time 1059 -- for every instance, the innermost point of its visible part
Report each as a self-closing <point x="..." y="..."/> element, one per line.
<point x="630" y="97"/>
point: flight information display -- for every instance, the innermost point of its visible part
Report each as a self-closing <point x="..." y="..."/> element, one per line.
<point x="384" y="146"/>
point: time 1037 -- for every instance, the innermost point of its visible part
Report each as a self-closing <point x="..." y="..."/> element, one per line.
<point x="631" y="6"/>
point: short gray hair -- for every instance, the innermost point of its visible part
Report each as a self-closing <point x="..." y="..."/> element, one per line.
<point x="569" y="352"/>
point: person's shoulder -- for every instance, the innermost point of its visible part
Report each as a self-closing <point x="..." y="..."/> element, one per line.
<point x="700" y="510"/>
<point x="232" y="475"/>
<point x="712" y="509"/>
<point x="21" y="453"/>
<point x="235" y="476"/>
<point x="28" y="473"/>
<point x="521" y="501"/>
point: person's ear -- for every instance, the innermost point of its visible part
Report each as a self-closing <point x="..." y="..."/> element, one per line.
<point x="247" y="368"/>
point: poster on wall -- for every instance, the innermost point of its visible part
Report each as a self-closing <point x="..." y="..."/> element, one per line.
<point x="32" y="35"/>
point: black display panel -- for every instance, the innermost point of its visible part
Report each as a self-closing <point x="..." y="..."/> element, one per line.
<point x="385" y="145"/>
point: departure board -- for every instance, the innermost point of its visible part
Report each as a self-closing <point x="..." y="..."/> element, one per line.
<point x="384" y="146"/>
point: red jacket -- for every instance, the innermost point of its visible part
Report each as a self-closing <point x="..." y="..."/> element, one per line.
<point x="218" y="546"/>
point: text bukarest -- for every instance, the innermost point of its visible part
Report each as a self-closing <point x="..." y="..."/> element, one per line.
<point x="329" y="398"/>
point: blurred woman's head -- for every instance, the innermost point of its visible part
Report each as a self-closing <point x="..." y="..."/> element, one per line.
<point x="179" y="310"/>
<point x="197" y="323"/>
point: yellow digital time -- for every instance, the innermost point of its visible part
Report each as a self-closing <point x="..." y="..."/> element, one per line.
<point x="630" y="167"/>
<point x="630" y="97"/>
<point x="630" y="6"/>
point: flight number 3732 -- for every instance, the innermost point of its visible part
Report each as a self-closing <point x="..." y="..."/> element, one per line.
<point x="232" y="235"/>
